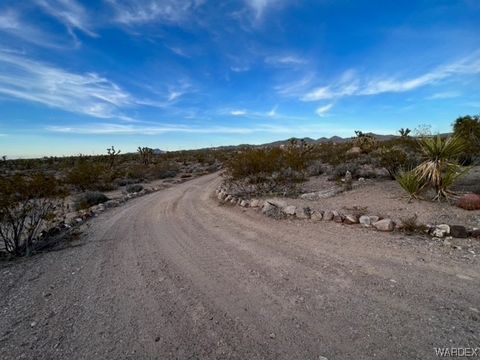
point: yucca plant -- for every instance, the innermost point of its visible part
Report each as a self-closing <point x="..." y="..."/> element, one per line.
<point x="440" y="168"/>
<point x="411" y="182"/>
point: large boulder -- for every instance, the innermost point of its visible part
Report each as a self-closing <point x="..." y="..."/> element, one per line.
<point x="469" y="202"/>
<point x="384" y="225"/>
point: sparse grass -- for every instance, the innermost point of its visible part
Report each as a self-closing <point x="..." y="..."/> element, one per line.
<point x="411" y="226"/>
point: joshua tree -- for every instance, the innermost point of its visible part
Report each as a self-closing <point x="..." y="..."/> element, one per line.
<point x="112" y="154"/>
<point x="146" y="155"/>
<point x="404" y="132"/>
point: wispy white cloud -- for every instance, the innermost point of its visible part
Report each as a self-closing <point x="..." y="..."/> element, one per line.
<point x="13" y="24"/>
<point x="70" y="13"/>
<point x="239" y="69"/>
<point x="445" y="95"/>
<point x="352" y="86"/>
<point x="285" y="60"/>
<point x="134" y="129"/>
<point x="273" y="112"/>
<point x="323" y="110"/>
<point x="88" y="94"/>
<point x="259" y="7"/>
<point x="135" y="12"/>
<point x="295" y="88"/>
<point x="239" y="112"/>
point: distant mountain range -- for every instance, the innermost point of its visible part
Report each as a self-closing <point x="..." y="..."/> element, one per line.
<point x="335" y="139"/>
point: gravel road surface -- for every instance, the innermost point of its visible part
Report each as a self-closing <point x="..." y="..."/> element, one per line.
<point x="175" y="275"/>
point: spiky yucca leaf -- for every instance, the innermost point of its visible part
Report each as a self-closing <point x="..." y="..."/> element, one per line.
<point x="440" y="168"/>
<point x="411" y="182"/>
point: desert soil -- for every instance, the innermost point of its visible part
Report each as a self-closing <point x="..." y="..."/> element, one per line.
<point x="386" y="198"/>
<point x="174" y="275"/>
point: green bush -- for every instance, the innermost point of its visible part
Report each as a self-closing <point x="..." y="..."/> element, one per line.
<point x="393" y="160"/>
<point x="411" y="182"/>
<point x="88" y="199"/>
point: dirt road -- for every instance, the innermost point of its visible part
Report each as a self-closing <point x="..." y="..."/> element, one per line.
<point x="174" y="275"/>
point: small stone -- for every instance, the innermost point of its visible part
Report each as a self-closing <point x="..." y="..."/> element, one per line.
<point x="337" y="217"/>
<point x="255" y="203"/>
<point x="290" y="210"/>
<point x="316" y="216"/>
<point x="458" y="231"/>
<point x="328" y="215"/>
<point x="272" y="336"/>
<point x="243" y="203"/>
<point x="475" y="233"/>
<point x="361" y="179"/>
<point x="303" y="213"/>
<point x="384" y="225"/>
<point x="351" y="219"/>
<point x="33" y="324"/>
<point x="441" y="230"/>
<point x="365" y="221"/>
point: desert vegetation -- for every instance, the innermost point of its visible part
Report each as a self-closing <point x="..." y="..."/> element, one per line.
<point x="37" y="192"/>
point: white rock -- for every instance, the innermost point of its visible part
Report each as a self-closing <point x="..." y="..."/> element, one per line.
<point x="290" y="209"/>
<point x="255" y="203"/>
<point x="328" y="215"/>
<point x="365" y="221"/>
<point x="243" y="203"/>
<point x="351" y="219"/>
<point x="384" y="225"/>
<point x="316" y="216"/>
<point x="441" y="230"/>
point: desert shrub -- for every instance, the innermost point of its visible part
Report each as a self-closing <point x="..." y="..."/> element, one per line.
<point x="90" y="198"/>
<point x="393" y="160"/>
<point x="269" y="170"/>
<point x="27" y="204"/>
<point x="468" y="129"/>
<point x="411" y="182"/>
<point x="85" y="175"/>
<point x="340" y="170"/>
<point x="334" y="154"/>
<point x="366" y="142"/>
<point x="411" y="226"/>
<point x="164" y="170"/>
<point x="134" y="188"/>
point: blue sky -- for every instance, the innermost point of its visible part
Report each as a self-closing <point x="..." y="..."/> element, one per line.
<point x="79" y="76"/>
